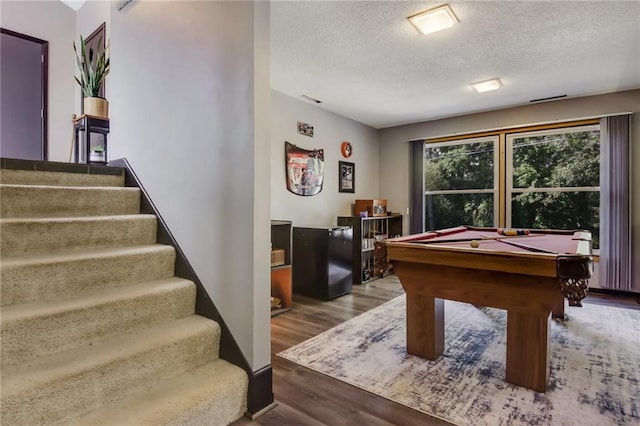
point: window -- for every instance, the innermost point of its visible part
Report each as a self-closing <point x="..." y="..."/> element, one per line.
<point x="461" y="183"/>
<point x="524" y="178"/>
<point x="553" y="180"/>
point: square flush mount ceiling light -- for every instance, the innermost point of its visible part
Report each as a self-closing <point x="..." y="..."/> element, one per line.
<point x="433" y="20"/>
<point x="487" y="85"/>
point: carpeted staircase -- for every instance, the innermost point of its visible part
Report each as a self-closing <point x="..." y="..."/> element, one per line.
<point x="96" y="329"/>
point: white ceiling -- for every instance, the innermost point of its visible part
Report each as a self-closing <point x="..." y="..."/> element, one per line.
<point x="365" y="61"/>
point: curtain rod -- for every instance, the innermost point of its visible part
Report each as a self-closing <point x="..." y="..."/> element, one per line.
<point x="542" y="123"/>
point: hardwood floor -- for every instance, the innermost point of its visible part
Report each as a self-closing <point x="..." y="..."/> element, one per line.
<point x="305" y="397"/>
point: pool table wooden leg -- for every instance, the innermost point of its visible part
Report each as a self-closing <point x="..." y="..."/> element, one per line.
<point x="425" y="326"/>
<point x="558" y="309"/>
<point x="528" y="350"/>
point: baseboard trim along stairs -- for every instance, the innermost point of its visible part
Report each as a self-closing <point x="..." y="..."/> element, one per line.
<point x="98" y="325"/>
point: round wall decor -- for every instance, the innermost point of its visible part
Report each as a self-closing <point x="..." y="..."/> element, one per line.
<point x="346" y="149"/>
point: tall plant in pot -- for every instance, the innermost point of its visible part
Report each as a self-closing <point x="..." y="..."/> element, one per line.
<point x="93" y="69"/>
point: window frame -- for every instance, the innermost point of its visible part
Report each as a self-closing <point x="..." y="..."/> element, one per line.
<point x="496" y="173"/>
<point x="510" y="190"/>
<point x="501" y="134"/>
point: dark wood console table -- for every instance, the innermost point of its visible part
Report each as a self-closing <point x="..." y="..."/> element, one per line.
<point x="89" y="124"/>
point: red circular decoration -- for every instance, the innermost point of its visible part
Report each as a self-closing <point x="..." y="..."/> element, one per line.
<point x="346" y="149"/>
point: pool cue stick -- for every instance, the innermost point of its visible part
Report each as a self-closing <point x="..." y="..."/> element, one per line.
<point x="520" y="245"/>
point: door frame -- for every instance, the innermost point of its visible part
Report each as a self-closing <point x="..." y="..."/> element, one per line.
<point x="44" y="130"/>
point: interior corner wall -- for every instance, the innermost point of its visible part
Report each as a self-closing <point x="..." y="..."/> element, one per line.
<point x="54" y="22"/>
<point x="182" y="112"/>
<point x="329" y="131"/>
<point x="394" y="149"/>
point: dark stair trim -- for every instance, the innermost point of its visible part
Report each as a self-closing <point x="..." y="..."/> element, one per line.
<point x="260" y="393"/>
<point x="52" y="166"/>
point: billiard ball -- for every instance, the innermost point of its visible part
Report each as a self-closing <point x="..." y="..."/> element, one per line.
<point x="475" y="244"/>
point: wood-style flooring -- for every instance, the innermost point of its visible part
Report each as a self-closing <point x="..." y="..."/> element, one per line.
<point x="305" y="397"/>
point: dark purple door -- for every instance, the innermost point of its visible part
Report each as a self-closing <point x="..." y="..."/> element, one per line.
<point x="23" y="96"/>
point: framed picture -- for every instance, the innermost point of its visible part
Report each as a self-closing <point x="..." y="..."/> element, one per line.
<point x="305" y="129"/>
<point x="346" y="177"/>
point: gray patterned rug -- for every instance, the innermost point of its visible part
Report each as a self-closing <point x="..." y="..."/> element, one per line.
<point x="594" y="366"/>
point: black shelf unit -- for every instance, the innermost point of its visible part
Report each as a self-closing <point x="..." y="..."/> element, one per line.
<point x="366" y="230"/>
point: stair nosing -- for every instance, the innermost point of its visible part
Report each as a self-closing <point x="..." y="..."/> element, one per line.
<point x="87" y="188"/>
<point x="138" y="216"/>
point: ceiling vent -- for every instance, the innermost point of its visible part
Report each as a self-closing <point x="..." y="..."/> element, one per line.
<point x="552" y="98"/>
<point x="309" y="98"/>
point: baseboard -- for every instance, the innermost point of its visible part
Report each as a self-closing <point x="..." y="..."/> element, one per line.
<point x="261" y="412"/>
<point x="55" y="166"/>
<point x="615" y="292"/>
<point x="260" y="398"/>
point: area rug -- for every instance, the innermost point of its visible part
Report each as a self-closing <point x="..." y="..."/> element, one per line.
<point x="594" y="366"/>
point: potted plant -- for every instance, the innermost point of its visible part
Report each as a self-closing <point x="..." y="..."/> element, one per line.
<point x="97" y="154"/>
<point x="93" y="71"/>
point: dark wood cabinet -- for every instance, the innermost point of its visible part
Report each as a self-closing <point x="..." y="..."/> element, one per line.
<point x="322" y="261"/>
<point x="366" y="231"/>
<point x="281" y="299"/>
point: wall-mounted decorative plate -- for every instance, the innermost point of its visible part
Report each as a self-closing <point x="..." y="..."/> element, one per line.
<point x="346" y="149"/>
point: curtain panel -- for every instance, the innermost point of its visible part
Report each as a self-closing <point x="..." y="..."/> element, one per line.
<point x="416" y="187"/>
<point x="615" y="203"/>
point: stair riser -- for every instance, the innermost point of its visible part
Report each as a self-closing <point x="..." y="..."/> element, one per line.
<point x="38" y="201"/>
<point x="39" y="335"/>
<point x="86" y="390"/>
<point x="214" y="394"/>
<point x="219" y="409"/>
<point x="31" y="177"/>
<point x="36" y="237"/>
<point x="26" y="283"/>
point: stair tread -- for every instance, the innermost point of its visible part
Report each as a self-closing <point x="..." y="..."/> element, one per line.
<point x="41" y="258"/>
<point x="61" y="178"/>
<point x="168" y="399"/>
<point x="34" y="373"/>
<point x="89" y="298"/>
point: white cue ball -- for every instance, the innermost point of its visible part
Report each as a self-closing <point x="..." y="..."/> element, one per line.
<point x="475" y="244"/>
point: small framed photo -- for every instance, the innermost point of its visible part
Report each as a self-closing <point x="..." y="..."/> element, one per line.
<point x="305" y="129"/>
<point x="346" y="177"/>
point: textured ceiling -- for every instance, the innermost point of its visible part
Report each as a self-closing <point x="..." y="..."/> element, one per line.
<point x="365" y="61"/>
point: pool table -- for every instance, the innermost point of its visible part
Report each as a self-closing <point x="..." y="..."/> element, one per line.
<point x="527" y="275"/>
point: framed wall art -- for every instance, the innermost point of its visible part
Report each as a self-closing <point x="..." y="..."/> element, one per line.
<point x="305" y="129"/>
<point x="346" y="177"/>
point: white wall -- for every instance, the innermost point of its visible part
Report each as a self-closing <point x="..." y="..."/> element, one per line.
<point x="262" y="195"/>
<point x="394" y="149"/>
<point x="88" y="18"/>
<point x="330" y="130"/>
<point x="54" y="22"/>
<point x="184" y="111"/>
